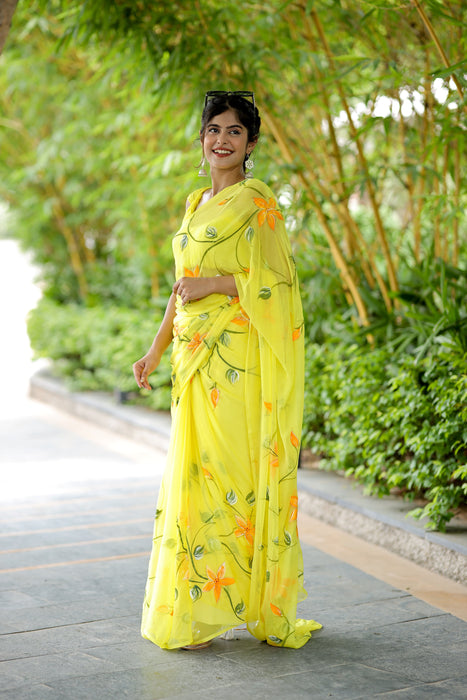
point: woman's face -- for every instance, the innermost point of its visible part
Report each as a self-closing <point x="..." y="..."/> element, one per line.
<point x="225" y="141"/>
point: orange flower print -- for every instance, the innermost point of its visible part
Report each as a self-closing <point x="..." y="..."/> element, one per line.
<point x="215" y="394"/>
<point x="241" y="320"/>
<point x="268" y="211"/>
<point x="165" y="609"/>
<point x="268" y="406"/>
<point x="294" y="439"/>
<point x="293" y="507"/>
<point x="191" y="273"/>
<point x="196" y="341"/>
<point x="217" y="581"/>
<point x="296" y="333"/>
<point x="276" y="611"/>
<point x="274" y="457"/>
<point x="245" y="529"/>
<point x="206" y="473"/>
<point x="233" y="301"/>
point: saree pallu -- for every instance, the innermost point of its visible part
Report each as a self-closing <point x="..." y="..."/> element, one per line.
<point x="225" y="547"/>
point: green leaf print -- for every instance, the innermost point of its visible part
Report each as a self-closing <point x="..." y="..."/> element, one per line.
<point x="250" y="498"/>
<point x="249" y="233"/>
<point x="224" y="338"/>
<point x="170" y="543"/>
<point x="203" y="316"/>
<point x="240" y="608"/>
<point x="158" y="512"/>
<point x="214" y="544"/>
<point x="232" y="375"/>
<point x="264" y="293"/>
<point x="183" y="241"/>
<point x="274" y="639"/>
<point x="211" y="232"/>
<point x="287" y="538"/>
<point x="198" y="551"/>
<point x="195" y="593"/>
<point x="231" y="497"/>
<point x="176" y="594"/>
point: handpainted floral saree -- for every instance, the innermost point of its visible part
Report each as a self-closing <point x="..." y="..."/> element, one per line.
<point x="225" y="547"/>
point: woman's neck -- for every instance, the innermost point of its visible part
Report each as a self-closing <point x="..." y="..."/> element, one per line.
<point x="221" y="179"/>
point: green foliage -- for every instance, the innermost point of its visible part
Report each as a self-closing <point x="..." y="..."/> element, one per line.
<point x="94" y="348"/>
<point x="391" y="422"/>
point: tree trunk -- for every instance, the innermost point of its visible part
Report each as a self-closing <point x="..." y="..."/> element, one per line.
<point x="7" y="9"/>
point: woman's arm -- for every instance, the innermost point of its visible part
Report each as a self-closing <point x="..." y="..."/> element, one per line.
<point x="193" y="288"/>
<point x="147" y="364"/>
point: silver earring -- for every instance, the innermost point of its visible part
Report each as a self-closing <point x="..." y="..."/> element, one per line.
<point x="249" y="165"/>
<point x="202" y="171"/>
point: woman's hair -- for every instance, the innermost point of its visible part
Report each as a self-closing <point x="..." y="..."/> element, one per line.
<point x="247" y="113"/>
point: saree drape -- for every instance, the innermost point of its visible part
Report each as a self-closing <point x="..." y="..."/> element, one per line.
<point x="225" y="547"/>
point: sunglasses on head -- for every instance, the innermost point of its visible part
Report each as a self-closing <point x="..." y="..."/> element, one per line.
<point x="221" y="93"/>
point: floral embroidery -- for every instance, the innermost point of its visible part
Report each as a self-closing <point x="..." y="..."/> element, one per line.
<point x="275" y="610"/>
<point x="196" y="341"/>
<point x="217" y="581"/>
<point x="268" y="211"/>
<point x="245" y="529"/>
<point x="215" y="394"/>
<point x="241" y="320"/>
<point x="274" y="456"/>
<point x="294" y="439"/>
<point x="191" y="273"/>
<point x="293" y="507"/>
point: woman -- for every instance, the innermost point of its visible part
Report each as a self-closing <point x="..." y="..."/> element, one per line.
<point x="225" y="548"/>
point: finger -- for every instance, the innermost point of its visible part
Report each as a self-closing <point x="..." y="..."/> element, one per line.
<point x="137" y="373"/>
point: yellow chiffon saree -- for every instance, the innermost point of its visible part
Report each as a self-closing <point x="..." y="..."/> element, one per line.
<point x="225" y="547"/>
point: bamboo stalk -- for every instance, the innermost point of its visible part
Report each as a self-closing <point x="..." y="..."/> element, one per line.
<point x="336" y="252"/>
<point x="445" y="243"/>
<point x="440" y="49"/>
<point x="369" y="266"/>
<point x="393" y="283"/>
<point x="457" y="190"/>
<point x="73" y="250"/>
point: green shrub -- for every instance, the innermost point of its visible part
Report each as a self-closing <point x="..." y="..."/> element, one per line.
<point x="94" y="348"/>
<point x="391" y="422"/>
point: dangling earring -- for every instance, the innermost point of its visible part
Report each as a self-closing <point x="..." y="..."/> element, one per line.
<point x="249" y="165"/>
<point x="202" y="171"/>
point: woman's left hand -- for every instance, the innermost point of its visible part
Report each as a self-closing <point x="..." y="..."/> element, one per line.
<point x="192" y="288"/>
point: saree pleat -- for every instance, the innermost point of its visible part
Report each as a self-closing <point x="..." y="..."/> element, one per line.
<point x="225" y="547"/>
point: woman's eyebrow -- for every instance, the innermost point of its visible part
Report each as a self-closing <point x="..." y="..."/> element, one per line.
<point x="232" y="126"/>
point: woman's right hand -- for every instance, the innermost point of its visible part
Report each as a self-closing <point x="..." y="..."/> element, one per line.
<point x="143" y="368"/>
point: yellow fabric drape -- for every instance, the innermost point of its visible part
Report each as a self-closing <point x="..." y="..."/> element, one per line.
<point x="225" y="548"/>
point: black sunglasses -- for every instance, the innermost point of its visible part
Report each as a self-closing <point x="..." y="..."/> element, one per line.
<point x="221" y="93"/>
